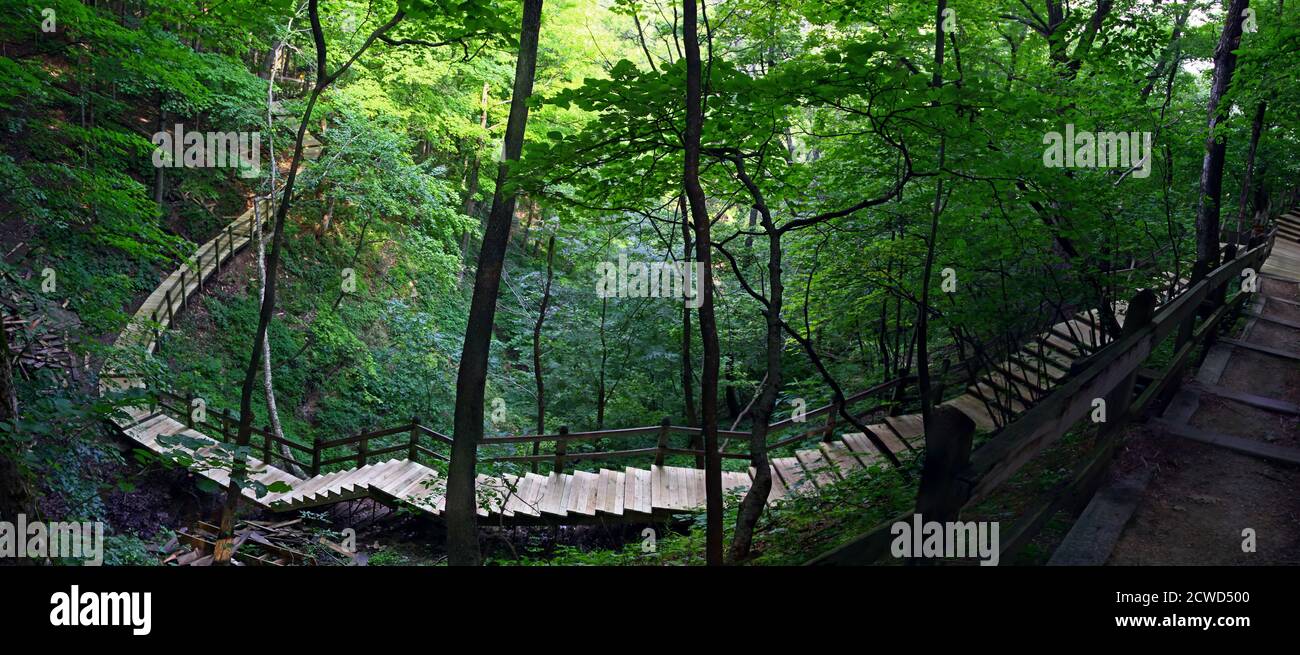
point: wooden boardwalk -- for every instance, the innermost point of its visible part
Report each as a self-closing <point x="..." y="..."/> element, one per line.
<point x="1223" y="456"/>
<point x="1284" y="262"/>
<point x="631" y="493"/>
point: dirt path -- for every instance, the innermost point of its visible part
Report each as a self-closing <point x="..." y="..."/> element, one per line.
<point x="1202" y="497"/>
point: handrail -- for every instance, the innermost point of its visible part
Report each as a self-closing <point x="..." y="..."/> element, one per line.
<point x="955" y="478"/>
<point x="164" y="314"/>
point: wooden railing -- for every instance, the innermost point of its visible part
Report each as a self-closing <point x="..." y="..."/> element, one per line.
<point x="955" y="479"/>
<point x="888" y="398"/>
<point x="424" y="442"/>
<point x="421" y="442"/>
<point x="175" y="297"/>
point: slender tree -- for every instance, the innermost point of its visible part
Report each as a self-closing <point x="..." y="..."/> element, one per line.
<point x="708" y="322"/>
<point x="537" y="345"/>
<point x="1216" y="145"/>
<point x="471" y="379"/>
<point x="225" y="538"/>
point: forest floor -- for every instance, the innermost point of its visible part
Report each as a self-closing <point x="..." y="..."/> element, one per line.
<point x="1201" y="497"/>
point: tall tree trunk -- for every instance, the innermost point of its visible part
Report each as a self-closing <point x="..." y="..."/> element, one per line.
<point x="688" y="372"/>
<point x="923" y="310"/>
<point x="537" y="346"/>
<point x="604" y="360"/>
<point x="751" y="506"/>
<point x="225" y="537"/>
<point x="462" y="533"/>
<point x="160" y="172"/>
<point x="1216" y="145"/>
<point x="471" y="189"/>
<point x="703" y="253"/>
<point x="1256" y="127"/>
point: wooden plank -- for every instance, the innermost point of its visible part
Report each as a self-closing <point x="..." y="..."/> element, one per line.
<point x="605" y="490"/>
<point x="568" y="491"/>
<point x="553" y="497"/>
<point x="1270" y="404"/>
<point x="735" y="482"/>
<point x="530" y="498"/>
<point x="1238" y="444"/>
<point x="819" y="470"/>
<point x="975" y="408"/>
<point x="888" y="437"/>
<point x="1262" y="349"/>
<point x="909" y="426"/>
<point x="637" y="495"/>
<point x="659" y="488"/>
<point x="695" y="484"/>
<point x="839" y="455"/>
<point x="792" y="474"/>
<point x="583" y="498"/>
<point x="778" y="488"/>
<point x="862" y="447"/>
<point x="620" y="491"/>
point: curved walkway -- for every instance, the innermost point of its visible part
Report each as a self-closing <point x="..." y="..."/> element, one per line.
<point x="583" y="496"/>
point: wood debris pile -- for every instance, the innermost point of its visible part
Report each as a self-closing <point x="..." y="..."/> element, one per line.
<point x="257" y="543"/>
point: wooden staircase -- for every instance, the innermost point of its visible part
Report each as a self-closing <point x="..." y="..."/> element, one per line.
<point x="635" y="494"/>
<point x="639" y="494"/>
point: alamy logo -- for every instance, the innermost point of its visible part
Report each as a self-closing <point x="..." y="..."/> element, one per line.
<point x="650" y="280"/>
<point x="182" y="149"/>
<point x="949" y="540"/>
<point x="56" y="539"/>
<point x="1127" y="150"/>
<point x="103" y="608"/>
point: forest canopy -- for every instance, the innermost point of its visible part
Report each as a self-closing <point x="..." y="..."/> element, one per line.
<point x="498" y="218"/>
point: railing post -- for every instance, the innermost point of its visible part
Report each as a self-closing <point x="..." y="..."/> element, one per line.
<point x="189" y="410"/>
<point x="829" y="430"/>
<point x="947" y="452"/>
<point x="266" y="444"/>
<point x="1140" y="311"/>
<point x="315" y="456"/>
<point x="230" y="240"/>
<point x="662" y="445"/>
<point x="561" y="448"/>
<point x="900" y="394"/>
<point x="363" y="449"/>
<point x="216" y="252"/>
<point x="415" y="439"/>
<point x="1188" y="326"/>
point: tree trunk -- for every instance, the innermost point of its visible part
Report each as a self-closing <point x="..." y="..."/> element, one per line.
<point x="703" y="253"/>
<point x="1256" y="127"/>
<point x="462" y="533"/>
<point x="537" y="346"/>
<point x="471" y="189"/>
<point x="923" y="310"/>
<point x="604" y="360"/>
<point x="688" y="373"/>
<point x="160" y="172"/>
<point x="1207" y="210"/>
<point x="225" y="537"/>
<point x="751" y="507"/>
